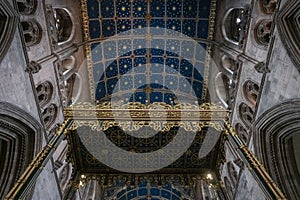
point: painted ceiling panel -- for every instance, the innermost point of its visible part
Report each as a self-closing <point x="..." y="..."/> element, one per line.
<point x="171" y="53"/>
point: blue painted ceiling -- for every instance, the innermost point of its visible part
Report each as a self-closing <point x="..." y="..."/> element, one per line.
<point x="144" y="192"/>
<point x="132" y="69"/>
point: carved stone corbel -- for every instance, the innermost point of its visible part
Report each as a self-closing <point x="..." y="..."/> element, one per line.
<point x="33" y="67"/>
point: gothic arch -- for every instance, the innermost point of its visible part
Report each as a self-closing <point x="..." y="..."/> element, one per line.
<point x="8" y="24"/>
<point x="27" y="7"/>
<point x="20" y="140"/>
<point x="44" y="92"/>
<point x="64" y="25"/>
<point x="234" y="25"/>
<point x="251" y="91"/>
<point x="274" y="136"/>
<point x="262" y="32"/>
<point x="242" y="132"/>
<point x="289" y="30"/>
<point x="32" y="32"/>
<point x="268" y="6"/>
<point x="50" y="115"/>
<point x="246" y="114"/>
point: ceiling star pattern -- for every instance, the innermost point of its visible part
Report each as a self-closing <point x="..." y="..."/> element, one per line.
<point x="145" y="191"/>
<point x="88" y="164"/>
<point x="145" y="65"/>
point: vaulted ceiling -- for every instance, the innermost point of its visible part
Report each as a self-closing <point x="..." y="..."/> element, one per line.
<point x="148" y="51"/>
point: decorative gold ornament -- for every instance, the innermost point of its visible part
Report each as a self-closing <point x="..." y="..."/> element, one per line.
<point x="158" y="116"/>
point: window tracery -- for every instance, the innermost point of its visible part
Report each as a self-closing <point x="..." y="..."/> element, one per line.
<point x="44" y="92"/>
<point x="32" y="32"/>
<point x="49" y="115"/>
<point x="246" y="114"/>
<point x="251" y="91"/>
<point x="27" y="7"/>
<point x="262" y="32"/>
<point x="269" y="6"/>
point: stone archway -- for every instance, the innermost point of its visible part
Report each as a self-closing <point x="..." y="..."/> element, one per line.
<point x="8" y="24"/>
<point x="20" y="140"/>
<point x="273" y="135"/>
<point x="288" y="22"/>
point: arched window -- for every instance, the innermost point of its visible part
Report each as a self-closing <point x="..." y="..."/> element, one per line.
<point x="228" y="187"/>
<point x="63" y="25"/>
<point x="233" y="175"/>
<point x="269" y="6"/>
<point x="251" y="91"/>
<point x="234" y="24"/>
<point x="27" y="7"/>
<point x="50" y="115"/>
<point x="262" y="32"/>
<point x="242" y="132"/>
<point x="44" y="92"/>
<point x="246" y="114"/>
<point x="32" y="32"/>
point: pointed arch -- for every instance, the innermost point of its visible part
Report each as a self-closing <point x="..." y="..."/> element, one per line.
<point x="288" y="22"/>
<point x="276" y="143"/>
<point x="20" y="140"/>
<point x="8" y="24"/>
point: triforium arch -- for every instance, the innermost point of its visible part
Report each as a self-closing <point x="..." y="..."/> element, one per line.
<point x="262" y="32"/>
<point x="32" y="32"/>
<point x="246" y="113"/>
<point x="20" y="140"/>
<point x="275" y="134"/>
<point x="50" y="114"/>
<point x="289" y="30"/>
<point x="8" y="24"/>
<point x="27" y="7"/>
<point x="44" y="92"/>
<point x="234" y="24"/>
<point x="242" y="132"/>
<point x="268" y="6"/>
<point x="64" y="25"/>
<point x="251" y="90"/>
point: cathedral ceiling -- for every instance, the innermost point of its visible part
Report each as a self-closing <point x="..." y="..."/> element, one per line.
<point x="147" y="52"/>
